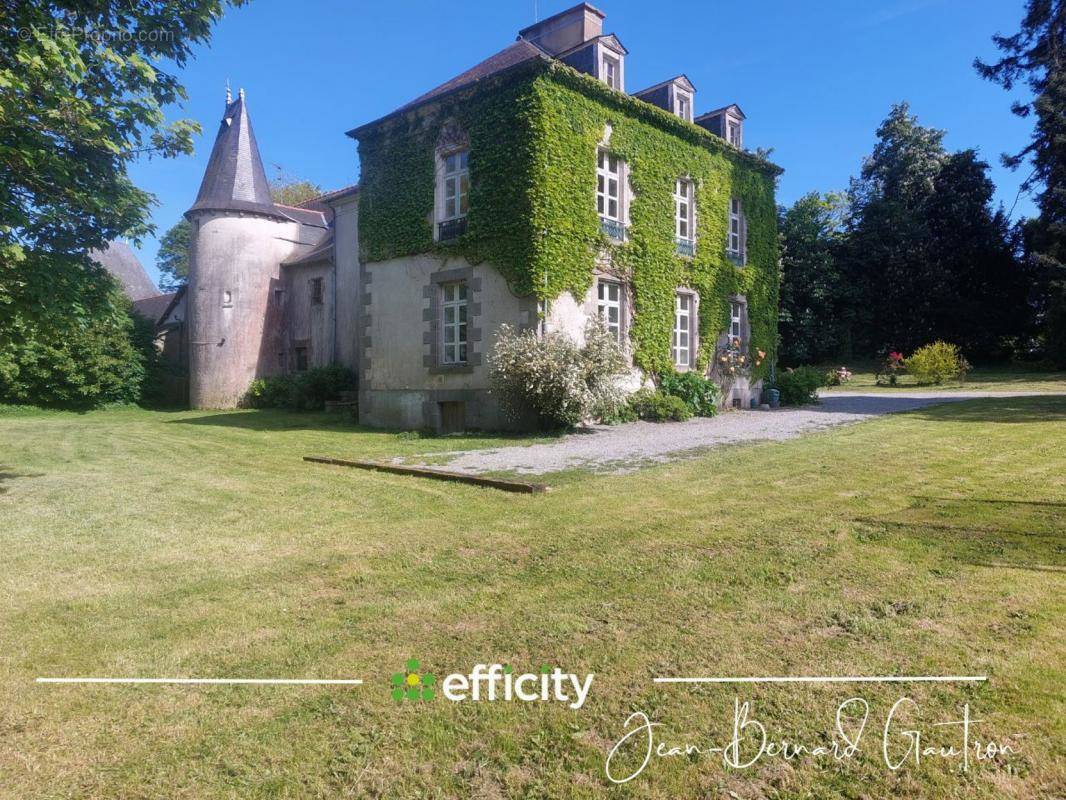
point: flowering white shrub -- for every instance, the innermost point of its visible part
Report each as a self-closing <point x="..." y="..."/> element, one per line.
<point x="551" y="376"/>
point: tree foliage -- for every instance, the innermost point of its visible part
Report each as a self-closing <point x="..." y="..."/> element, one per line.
<point x="1036" y="57"/>
<point x="816" y="297"/>
<point x="82" y="92"/>
<point x="172" y="260"/>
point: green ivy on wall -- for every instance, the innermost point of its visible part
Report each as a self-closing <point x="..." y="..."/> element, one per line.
<point x="533" y="140"/>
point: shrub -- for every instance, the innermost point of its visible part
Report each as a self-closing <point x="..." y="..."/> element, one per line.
<point x="800" y="386"/>
<point x="551" y="377"/>
<point x="891" y="368"/>
<point x="300" y="391"/>
<point x="936" y="363"/>
<point x="700" y="394"/>
<point x="658" y="407"/>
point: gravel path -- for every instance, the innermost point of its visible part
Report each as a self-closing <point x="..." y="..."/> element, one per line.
<point x="624" y="448"/>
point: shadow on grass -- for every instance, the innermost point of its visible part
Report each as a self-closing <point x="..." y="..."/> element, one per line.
<point x="278" y="420"/>
<point x="1044" y="408"/>
<point x="986" y="532"/>
<point x="8" y="474"/>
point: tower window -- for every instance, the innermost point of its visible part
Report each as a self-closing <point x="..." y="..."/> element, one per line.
<point x="227" y="298"/>
<point x="316" y="291"/>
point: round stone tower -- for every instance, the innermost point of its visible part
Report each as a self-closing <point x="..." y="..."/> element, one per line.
<point x="239" y="239"/>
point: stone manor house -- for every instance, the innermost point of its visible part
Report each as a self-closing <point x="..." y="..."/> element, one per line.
<point x="532" y="190"/>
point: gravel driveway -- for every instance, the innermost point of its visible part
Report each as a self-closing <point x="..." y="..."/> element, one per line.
<point x="623" y="448"/>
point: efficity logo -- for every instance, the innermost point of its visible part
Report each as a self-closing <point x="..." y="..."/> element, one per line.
<point x="491" y="683"/>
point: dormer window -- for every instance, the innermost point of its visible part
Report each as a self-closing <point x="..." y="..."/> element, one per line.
<point x="611" y="71"/>
<point x="683" y="106"/>
<point x="733" y="132"/>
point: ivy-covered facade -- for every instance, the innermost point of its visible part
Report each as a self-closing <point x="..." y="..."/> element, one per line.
<point x="541" y="194"/>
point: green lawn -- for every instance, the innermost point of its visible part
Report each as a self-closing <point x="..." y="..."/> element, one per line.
<point x="992" y="379"/>
<point x="194" y="544"/>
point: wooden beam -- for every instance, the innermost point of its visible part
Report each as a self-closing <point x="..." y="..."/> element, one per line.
<point x="436" y="474"/>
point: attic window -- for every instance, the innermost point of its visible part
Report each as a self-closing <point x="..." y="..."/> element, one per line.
<point x="683" y="106"/>
<point x="732" y="131"/>
<point x="611" y="71"/>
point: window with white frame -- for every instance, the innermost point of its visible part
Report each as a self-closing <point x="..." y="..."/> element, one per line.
<point x="683" y="210"/>
<point x="609" y="185"/>
<point x="735" y="237"/>
<point x="609" y="306"/>
<point x="453" y="322"/>
<point x="611" y="71"/>
<point x="733" y="132"/>
<point x="736" y="313"/>
<point x="682" y="346"/>
<point x="683" y="106"/>
<point x="455" y="189"/>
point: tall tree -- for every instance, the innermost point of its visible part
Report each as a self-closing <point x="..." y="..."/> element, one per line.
<point x="815" y="297"/>
<point x="930" y="256"/>
<point x="82" y="92"/>
<point x="172" y="260"/>
<point x="1036" y="56"/>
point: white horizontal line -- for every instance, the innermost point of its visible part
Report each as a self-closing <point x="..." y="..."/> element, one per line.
<point x="211" y="681"/>
<point x="835" y="679"/>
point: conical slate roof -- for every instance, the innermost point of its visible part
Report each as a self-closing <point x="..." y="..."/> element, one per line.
<point x="235" y="179"/>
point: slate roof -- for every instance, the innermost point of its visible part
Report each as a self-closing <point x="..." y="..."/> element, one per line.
<point x="323" y="251"/>
<point x="511" y="56"/>
<point x="123" y="264"/>
<point x="156" y="308"/>
<point x="235" y="179"/>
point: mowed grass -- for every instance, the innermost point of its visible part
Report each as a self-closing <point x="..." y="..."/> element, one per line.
<point x="990" y="379"/>
<point x="193" y="544"/>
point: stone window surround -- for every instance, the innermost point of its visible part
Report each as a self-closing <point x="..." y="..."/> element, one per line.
<point x="693" y="329"/>
<point x="625" y="305"/>
<point x="745" y="324"/>
<point x="431" y="318"/>
<point x="676" y="94"/>
<point x="604" y="52"/>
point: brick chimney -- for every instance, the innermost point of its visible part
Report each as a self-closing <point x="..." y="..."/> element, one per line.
<point x="565" y="30"/>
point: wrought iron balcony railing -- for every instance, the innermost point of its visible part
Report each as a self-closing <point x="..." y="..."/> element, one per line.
<point x="685" y="247"/>
<point x="613" y="228"/>
<point x="451" y="229"/>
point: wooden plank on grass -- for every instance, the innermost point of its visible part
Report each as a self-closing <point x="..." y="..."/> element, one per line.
<point x="436" y="474"/>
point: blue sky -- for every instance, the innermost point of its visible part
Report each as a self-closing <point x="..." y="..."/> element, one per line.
<point x="814" y="79"/>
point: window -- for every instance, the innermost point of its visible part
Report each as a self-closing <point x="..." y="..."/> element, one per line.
<point x="683" y="329"/>
<point x="316" y="291"/>
<point x="733" y="133"/>
<point x="279" y="296"/>
<point x="454" y="194"/>
<point x="453" y="322"/>
<point x="609" y="193"/>
<point x="227" y="298"/>
<point x="736" y="311"/>
<point x="735" y="237"/>
<point x="611" y="72"/>
<point x="301" y="359"/>
<point x="683" y="215"/>
<point x="609" y="307"/>
<point x="683" y="106"/>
